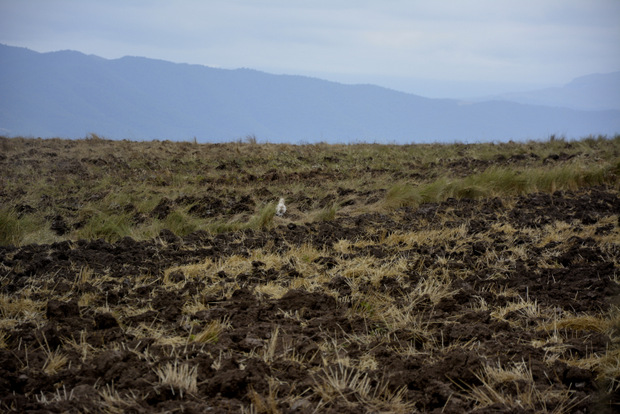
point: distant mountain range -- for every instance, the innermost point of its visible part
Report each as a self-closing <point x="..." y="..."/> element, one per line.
<point x="592" y="93"/>
<point x="69" y="94"/>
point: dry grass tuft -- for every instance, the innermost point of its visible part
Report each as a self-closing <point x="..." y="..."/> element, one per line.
<point x="356" y="389"/>
<point x="514" y="387"/>
<point x="211" y="333"/>
<point x="179" y="377"/>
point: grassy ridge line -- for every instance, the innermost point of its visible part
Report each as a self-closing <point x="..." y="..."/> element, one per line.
<point x="493" y="182"/>
<point x="109" y="189"/>
<point x="504" y="182"/>
<point x="13" y="228"/>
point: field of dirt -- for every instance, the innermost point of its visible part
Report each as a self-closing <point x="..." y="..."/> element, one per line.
<point x="494" y="305"/>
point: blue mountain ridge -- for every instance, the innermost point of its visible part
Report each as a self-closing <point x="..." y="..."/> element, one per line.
<point x="69" y="94"/>
<point x="598" y="91"/>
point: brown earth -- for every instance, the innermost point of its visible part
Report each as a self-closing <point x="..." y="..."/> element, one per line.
<point x="118" y="312"/>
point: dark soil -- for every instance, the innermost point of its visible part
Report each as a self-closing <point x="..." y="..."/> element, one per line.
<point x="100" y="323"/>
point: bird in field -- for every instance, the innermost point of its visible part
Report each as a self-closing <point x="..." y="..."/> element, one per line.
<point x="281" y="208"/>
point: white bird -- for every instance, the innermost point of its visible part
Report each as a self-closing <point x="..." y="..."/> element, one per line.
<point x="281" y="208"/>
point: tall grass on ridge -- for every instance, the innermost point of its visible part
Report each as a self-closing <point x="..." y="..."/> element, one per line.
<point x="9" y="227"/>
<point x="264" y="218"/>
<point x="503" y="181"/>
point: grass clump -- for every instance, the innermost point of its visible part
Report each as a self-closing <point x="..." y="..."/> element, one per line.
<point x="528" y="396"/>
<point x="180" y="223"/>
<point x="264" y="218"/>
<point x="403" y="194"/>
<point x="221" y="226"/>
<point x="11" y="231"/>
<point x="211" y="333"/>
<point x="16" y="229"/>
<point x="503" y="181"/>
<point x="179" y="377"/>
<point x="109" y="227"/>
<point x="327" y="214"/>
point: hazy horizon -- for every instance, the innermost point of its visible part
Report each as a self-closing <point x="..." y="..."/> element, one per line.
<point x="71" y="94"/>
<point x="447" y="49"/>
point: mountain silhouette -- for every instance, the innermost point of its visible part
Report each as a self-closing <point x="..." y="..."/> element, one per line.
<point x="591" y="92"/>
<point x="69" y="94"/>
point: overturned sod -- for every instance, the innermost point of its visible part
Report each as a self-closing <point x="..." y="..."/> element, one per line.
<point x="173" y="285"/>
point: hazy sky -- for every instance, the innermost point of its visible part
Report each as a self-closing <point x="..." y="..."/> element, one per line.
<point x="436" y="48"/>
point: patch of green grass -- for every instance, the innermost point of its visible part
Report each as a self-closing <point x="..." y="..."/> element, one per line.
<point x="11" y="230"/>
<point x="180" y="223"/>
<point x="403" y="194"/>
<point x="220" y="226"/>
<point x="109" y="227"/>
<point x="16" y="230"/>
<point x="504" y="181"/>
<point x="574" y="176"/>
<point x="327" y="214"/>
<point x="264" y="218"/>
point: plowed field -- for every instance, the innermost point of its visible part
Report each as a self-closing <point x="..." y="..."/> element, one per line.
<point x="496" y="303"/>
